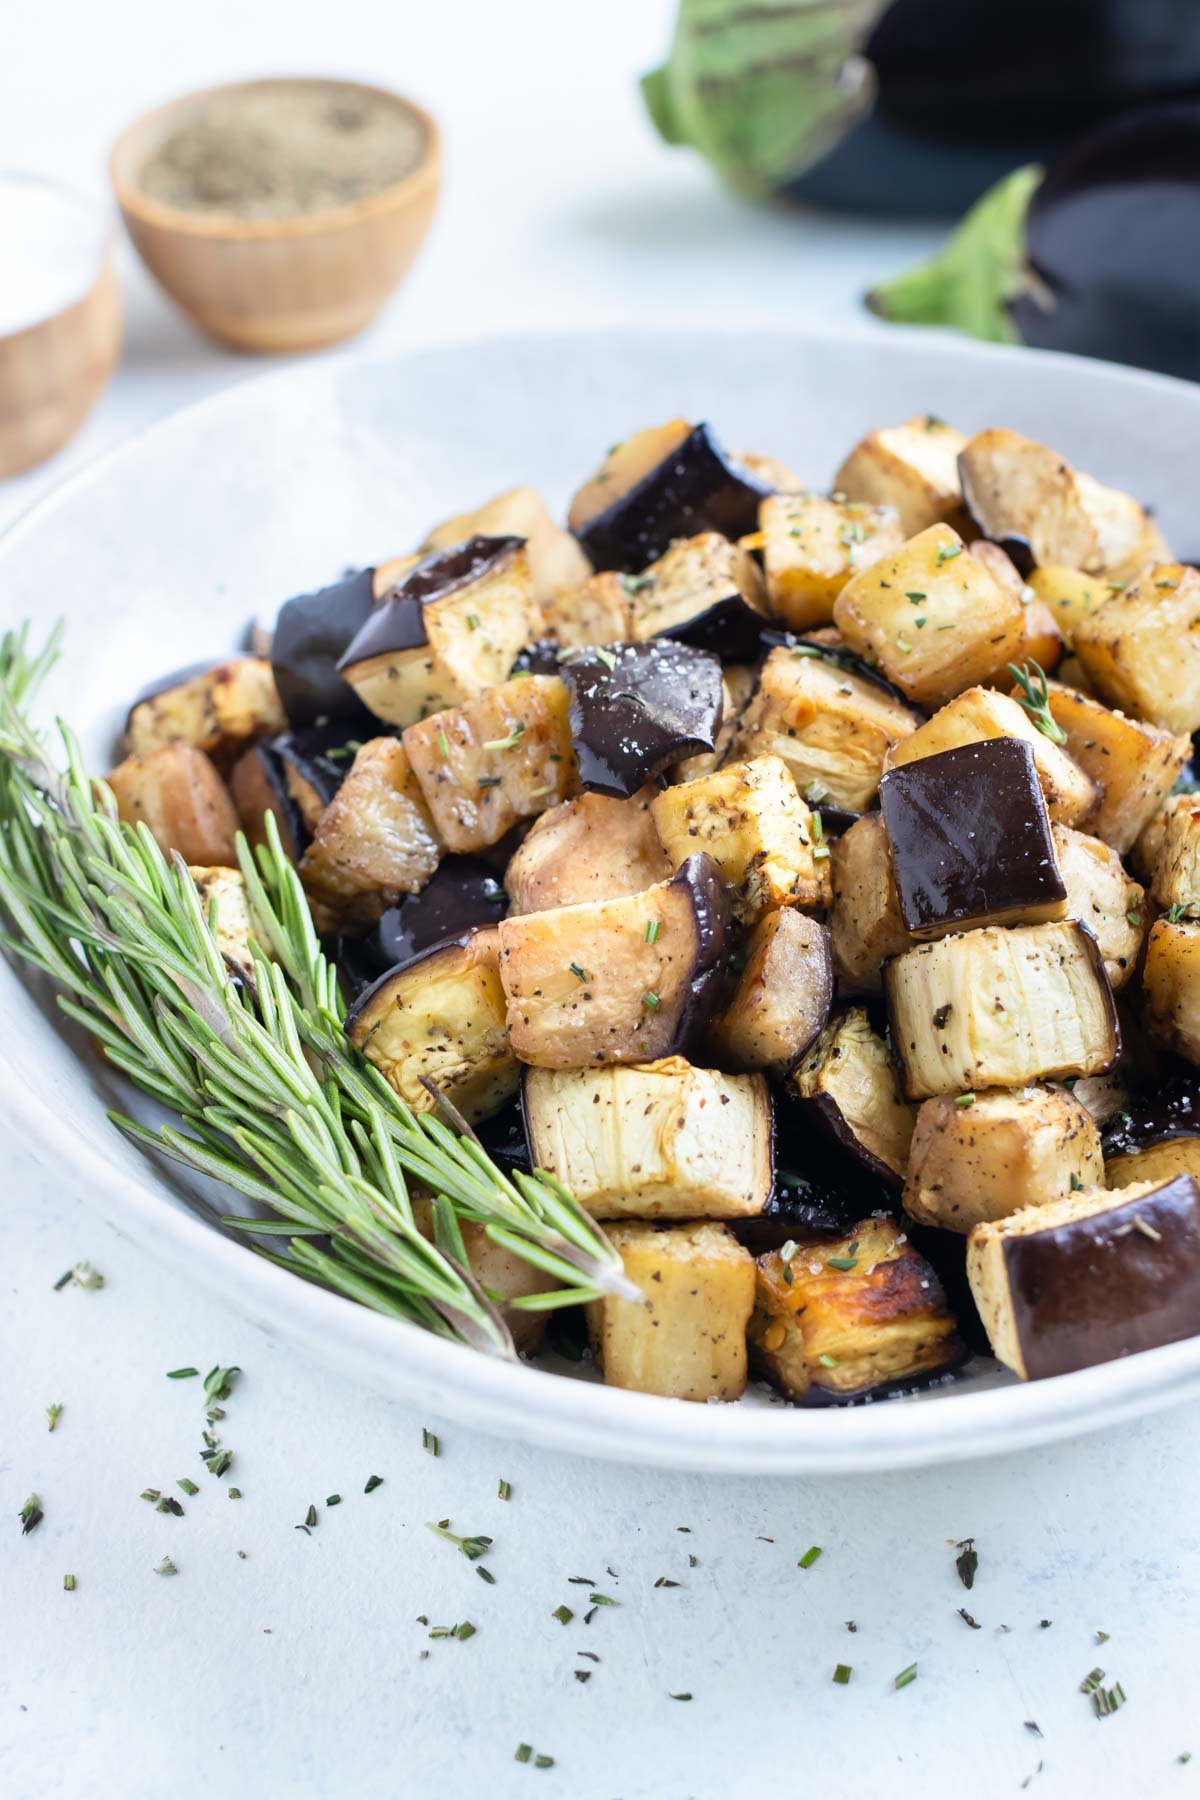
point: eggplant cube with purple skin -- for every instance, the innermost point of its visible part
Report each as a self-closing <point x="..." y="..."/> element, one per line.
<point x="449" y="630"/>
<point x="912" y="467"/>
<point x="782" y="998"/>
<point x="1133" y="765"/>
<point x="1089" y="1277"/>
<point x="971" y="840"/>
<point x="812" y="546"/>
<point x="593" y="847"/>
<point x="217" y="710"/>
<point x="704" y="591"/>
<point x="865" y="926"/>
<point x="848" y="1087"/>
<point x="658" y="1140"/>
<point x="637" y="709"/>
<point x="556" y="562"/>
<point x="374" y="842"/>
<point x="750" y="819"/>
<point x="312" y="633"/>
<point x="623" y="980"/>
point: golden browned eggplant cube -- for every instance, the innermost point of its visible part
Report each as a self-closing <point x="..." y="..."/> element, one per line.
<point x="217" y="711"/>
<point x="848" y="1086"/>
<point x="556" y="561"/>
<point x="782" y="997"/>
<point x="1010" y="1148"/>
<point x="832" y="728"/>
<point x="227" y="908"/>
<point x="1177" y="863"/>
<point x="932" y="618"/>
<point x="375" y="841"/>
<point x="1104" y="898"/>
<point x="836" y="1318"/>
<point x="1068" y="594"/>
<point x="812" y="546"/>
<point x="1041" y="640"/>
<point x="1171" y="979"/>
<point x="1157" y="1162"/>
<point x="503" y="757"/>
<point x="440" y="1018"/>
<point x="661" y="1140"/>
<point x="595" y="612"/>
<point x="177" y="794"/>
<point x="1141" y="649"/>
<point x="981" y="713"/>
<point x="1133" y="765"/>
<point x="750" y="819"/>
<point x="1000" y="1008"/>
<point x="591" y="848"/>
<point x="506" y="1276"/>
<point x="1016" y="487"/>
<point x="913" y="467"/>
<point x="687" y="1340"/>
<point x="698" y="576"/>
<point x="865" y="927"/>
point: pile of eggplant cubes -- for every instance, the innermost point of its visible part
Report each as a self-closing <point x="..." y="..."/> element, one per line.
<point x="810" y="881"/>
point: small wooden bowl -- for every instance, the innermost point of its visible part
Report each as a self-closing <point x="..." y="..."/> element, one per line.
<point x="277" y="284"/>
<point x="52" y="372"/>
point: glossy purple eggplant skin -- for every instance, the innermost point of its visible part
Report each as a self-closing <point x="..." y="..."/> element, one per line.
<point x="462" y="895"/>
<point x="970" y="837"/>
<point x="729" y="628"/>
<point x="840" y="658"/>
<point x="320" y="756"/>
<point x="1169" y="1108"/>
<point x="1112" y="236"/>
<point x="1123" y="1280"/>
<point x="698" y="487"/>
<point x="258" y="787"/>
<point x="637" y="709"/>
<point x="712" y="915"/>
<point x="397" y="623"/>
<point x="311" y="634"/>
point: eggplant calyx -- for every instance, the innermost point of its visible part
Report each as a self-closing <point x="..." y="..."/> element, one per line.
<point x="977" y="273"/>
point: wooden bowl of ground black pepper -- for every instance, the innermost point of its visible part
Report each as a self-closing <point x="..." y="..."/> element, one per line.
<point x="279" y="214"/>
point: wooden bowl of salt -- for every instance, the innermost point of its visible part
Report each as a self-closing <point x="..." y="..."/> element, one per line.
<point x="279" y="214"/>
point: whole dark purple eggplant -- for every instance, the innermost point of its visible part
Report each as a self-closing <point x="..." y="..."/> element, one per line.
<point x="1096" y="256"/>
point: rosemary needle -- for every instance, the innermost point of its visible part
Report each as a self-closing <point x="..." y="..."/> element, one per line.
<point x="268" y="1094"/>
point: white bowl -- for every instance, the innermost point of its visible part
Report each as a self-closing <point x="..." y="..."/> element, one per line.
<point x="159" y="554"/>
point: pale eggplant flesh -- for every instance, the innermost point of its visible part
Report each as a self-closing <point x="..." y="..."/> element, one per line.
<point x="697" y="487"/>
<point x="637" y="709"/>
<point x="312" y="633"/>
<point x="397" y="623"/>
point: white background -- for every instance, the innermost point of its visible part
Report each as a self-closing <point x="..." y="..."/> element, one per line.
<point x="298" y="1670"/>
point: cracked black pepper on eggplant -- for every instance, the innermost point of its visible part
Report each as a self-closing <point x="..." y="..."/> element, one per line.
<point x="792" y="956"/>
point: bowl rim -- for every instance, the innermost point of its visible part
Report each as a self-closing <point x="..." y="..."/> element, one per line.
<point x="105" y="265"/>
<point x="541" y="1408"/>
<point x="185" y="222"/>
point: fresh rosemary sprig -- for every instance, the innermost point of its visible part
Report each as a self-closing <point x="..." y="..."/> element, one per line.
<point x="1030" y="677"/>
<point x="268" y="1094"/>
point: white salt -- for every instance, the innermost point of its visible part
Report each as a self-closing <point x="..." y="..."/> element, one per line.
<point x="52" y="243"/>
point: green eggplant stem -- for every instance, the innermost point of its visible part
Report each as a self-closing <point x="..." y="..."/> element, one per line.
<point x="980" y="269"/>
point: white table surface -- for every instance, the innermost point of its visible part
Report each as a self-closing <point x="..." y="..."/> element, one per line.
<point x="301" y="1669"/>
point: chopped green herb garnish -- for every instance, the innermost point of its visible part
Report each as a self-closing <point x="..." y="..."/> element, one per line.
<point x="429" y="1442"/>
<point x="53" y="1414"/>
<point x="506" y="743"/>
<point x="1174" y="914"/>
<point x="523" y="1753"/>
<point x="964" y="1100"/>
<point x="651" y="1001"/>
<point x="471" y="1547"/>
<point x="1091" y="1681"/>
<point x="579" y="972"/>
<point x="1030" y="677"/>
<point x="810" y="1556"/>
<point x="310" y="1517"/>
<point x="845" y="1263"/>
<point x="966" y="1562"/>
<point x="563" y="1614"/>
<point x="679" y="1696"/>
<point x="915" y="597"/>
<point x="69" y="1583"/>
<point x="842" y="1674"/>
<point x="603" y="1600"/>
<point x="166" y="1567"/>
<point x="234" y="1493"/>
<point x="472" y="621"/>
<point x="828" y="1362"/>
<point x="946" y="553"/>
<point x="374" y="1481"/>
<point x="218" y="1384"/>
<point x="902" y="643"/>
<point x="653" y="927"/>
<point x="542" y="1761"/>
<point x="604" y="656"/>
<point x="31" y="1515"/>
<point x="485" y="1575"/>
<point x="967" y="1619"/>
<point x="83" y="1275"/>
<point x="906" y="1676"/>
<point x="443" y="743"/>
<point x="505" y="1490"/>
<point x="187" y="1484"/>
<point x="181" y="1374"/>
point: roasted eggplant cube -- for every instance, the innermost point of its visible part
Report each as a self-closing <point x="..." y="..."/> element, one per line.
<point x="836" y="1319"/>
<point x="832" y="728"/>
<point x="658" y="486"/>
<point x="782" y="997"/>
<point x="749" y="818"/>
<point x="504" y="1274"/>
<point x="1091" y="1277"/>
<point x="1008" y="1149"/>
<point x="971" y="841"/>
<point x="503" y="757"/>
<point x="461" y="895"/>
<point x="1068" y="595"/>
<point x="556" y="562"/>
<point x="980" y="714"/>
<point x="638" y="709"/>
<point x="848" y="1086"/>
<point x="440" y="1018"/>
<point x="1171" y="979"/>
<point x="912" y="467"/>
<point x="449" y="631"/>
<point x="315" y="763"/>
<point x="687" y="1338"/>
<point x="812" y="546"/>
<point x="1016" y="488"/>
<point x="738" y="682"/>
<point x="598" y="611"/>
<point x="1157" y="1162"/>
<point x="1141" y="649"/>
<point x="258" y="786"/>
<point x="624" y="980"/>
<point x="375" y="841"/>
<point x="1104" y="898"/>
<point x="589" y="848"/>
<point x="177" y="794"/>
<point x="1001" y="1008"/>
<point x="218" y="711"/>
<point x="1041" y="639"/>
<point x="704" y="591"/>
<point x="932" y="618"/>
<point x="1143" y="858"/>
<point x="865" y="927"/>
<point x="227" y="908"/>
<point x="1133" y="765"/>
<point x="311" y="635"/>
<point x="1177" y="863"/>
<point x="660" y="1140"/>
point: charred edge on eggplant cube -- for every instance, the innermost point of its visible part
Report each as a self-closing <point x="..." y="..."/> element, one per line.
<point x="639" y="708"/>
<point x="462" y="895"/>
<point x="312" y="633"/>
<point x="259" y="786"/>
<point x="163" y="684"/>
<point x="696" y="487"/>
<point x="970" y="838"/>
<point x="398" y="622"/>
<point x="314" y="764"/>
